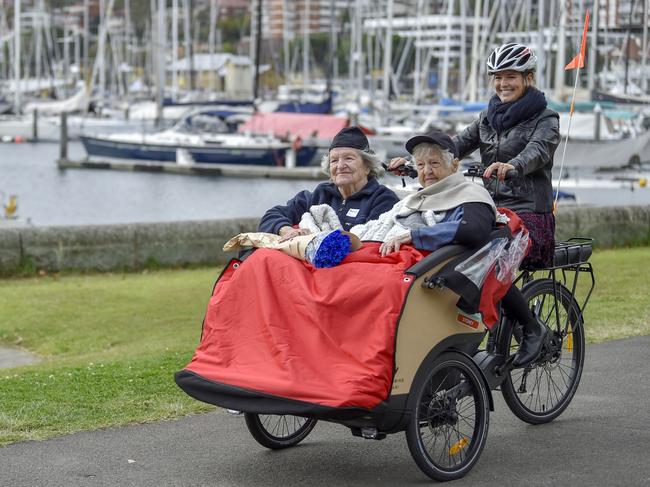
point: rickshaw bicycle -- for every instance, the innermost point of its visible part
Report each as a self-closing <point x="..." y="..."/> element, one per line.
<point x="446" y="412"/>
<point x="445" y="365"/>
<point x="450" y="399"/>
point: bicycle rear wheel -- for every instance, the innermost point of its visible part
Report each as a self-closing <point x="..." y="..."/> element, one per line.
<point x="540" y="392"/>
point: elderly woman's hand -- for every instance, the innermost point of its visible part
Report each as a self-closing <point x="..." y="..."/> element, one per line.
<point x="501" y="169"/>
<point x="393" y="244"/>
<point x="287" y="232"/>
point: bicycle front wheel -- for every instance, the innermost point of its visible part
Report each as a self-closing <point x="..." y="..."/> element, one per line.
<point x="448" y="427"/>
<point x="540" y="392"/>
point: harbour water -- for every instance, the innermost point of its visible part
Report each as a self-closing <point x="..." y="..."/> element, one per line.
<point x="50" y="196"/>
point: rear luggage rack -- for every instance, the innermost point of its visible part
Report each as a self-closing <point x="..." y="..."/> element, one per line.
<point x="574" y="251"/>
<point x="571" y="256"/>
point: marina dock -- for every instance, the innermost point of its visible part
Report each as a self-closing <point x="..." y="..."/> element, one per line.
<point x="201" y="169"/>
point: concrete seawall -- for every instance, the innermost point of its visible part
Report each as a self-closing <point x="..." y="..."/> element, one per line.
<point x="128" y="246"/>
<point x="133" y="246"/>
<point x="609" y="226"/>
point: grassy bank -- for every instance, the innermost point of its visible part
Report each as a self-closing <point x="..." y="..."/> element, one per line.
<point x="110" y="343"/>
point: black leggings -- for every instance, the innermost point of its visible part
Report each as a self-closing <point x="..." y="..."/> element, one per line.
<point x="516" y="307"/>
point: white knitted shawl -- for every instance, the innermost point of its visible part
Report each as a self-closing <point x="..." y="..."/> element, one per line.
<point x="433" y="201"/>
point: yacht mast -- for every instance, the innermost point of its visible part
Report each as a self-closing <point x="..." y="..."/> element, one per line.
<point x="444" y="86"/>
<point x="160" y="51"/>
<point x="86" y="35"/>
<point x="127" y="34"/>
<point x="417" y="73"/>
<point x="472" y="88"/>
<point x="388" y="56"/>
<point x="214" y="12"/>
<point x="560" y="55"/>
<point x="174" y="49"/>
<point x="285" y="39"/>
<point x="16" y="56"/>
<point x="644" y="49"/>
<point x="593" y="49"/>
<point x="103" y="26"/>
<point x="187" y="39"/>
<point x="258" y="49"/>
<point x="305" y="41"/>
<point x="541" y="54"/>
<point x="38" y="39"/>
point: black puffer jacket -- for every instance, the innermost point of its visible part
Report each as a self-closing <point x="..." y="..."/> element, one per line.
<point x="529" y="146"/>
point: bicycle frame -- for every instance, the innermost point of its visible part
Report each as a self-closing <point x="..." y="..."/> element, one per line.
<point x="495" y="366"/>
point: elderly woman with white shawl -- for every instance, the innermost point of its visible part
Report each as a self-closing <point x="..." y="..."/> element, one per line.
<point x="447" y="210"/>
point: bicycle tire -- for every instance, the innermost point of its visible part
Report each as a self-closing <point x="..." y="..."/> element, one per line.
<point x="558" y="371"/>
<point x="278" y="431"/>
<point x="442" y="413"/>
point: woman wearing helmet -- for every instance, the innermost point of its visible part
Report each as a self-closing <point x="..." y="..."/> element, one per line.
<point x="518" y="131"/>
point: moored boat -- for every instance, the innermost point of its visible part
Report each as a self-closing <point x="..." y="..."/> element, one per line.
<point x="199" y="138"/>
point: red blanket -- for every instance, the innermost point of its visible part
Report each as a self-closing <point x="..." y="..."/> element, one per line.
<point x="279" y="326"/>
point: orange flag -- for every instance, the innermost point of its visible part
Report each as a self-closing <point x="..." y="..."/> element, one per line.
<point x="579" y="60"/>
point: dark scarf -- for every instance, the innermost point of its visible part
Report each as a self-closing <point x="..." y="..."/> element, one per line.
<point x="503" y="116"/>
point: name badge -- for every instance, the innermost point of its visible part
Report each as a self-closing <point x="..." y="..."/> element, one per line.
<point x="352" y="212"/>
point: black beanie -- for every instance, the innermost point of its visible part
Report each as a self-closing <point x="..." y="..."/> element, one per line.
<point x="350" y="137"/>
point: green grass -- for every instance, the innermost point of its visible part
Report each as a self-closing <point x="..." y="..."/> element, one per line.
<point x="619" y="306"/>
<point x="110" y="343"/>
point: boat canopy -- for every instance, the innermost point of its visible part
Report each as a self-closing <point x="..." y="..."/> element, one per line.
<point x="289" y="125"/>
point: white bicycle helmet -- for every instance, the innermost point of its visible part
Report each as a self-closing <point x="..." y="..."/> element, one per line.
<point x="516" y="57"/>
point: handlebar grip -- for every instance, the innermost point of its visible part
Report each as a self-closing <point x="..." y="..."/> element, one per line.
<point x="402" y="170"/>
<point x="478" y="172"/>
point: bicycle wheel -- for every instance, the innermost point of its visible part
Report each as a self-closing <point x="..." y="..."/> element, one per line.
<point x="278" y="431"/>
<point x="540" y="392"/>
<point x="449" y="424"/>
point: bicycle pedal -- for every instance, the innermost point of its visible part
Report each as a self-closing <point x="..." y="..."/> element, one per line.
<point x="506" y="367"/>
<point x="372" y="434"/>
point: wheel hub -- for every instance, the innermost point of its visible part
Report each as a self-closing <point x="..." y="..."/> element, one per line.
<point x="441" y="411"/>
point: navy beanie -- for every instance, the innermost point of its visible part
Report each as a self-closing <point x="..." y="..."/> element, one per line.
<point x="350" y="137"/>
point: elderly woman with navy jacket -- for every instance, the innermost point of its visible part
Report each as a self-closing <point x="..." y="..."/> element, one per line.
<point x="353" y="191"/>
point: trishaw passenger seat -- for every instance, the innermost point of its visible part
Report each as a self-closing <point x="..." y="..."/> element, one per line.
<point x="436" y="258"/>
<point x="449" y="251"/>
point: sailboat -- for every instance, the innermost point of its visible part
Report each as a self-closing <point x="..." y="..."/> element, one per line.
<point x="200" y="137"/>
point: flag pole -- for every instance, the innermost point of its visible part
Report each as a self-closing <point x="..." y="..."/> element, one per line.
<point x="572" y="65"/>
<point x="566" y="140"/>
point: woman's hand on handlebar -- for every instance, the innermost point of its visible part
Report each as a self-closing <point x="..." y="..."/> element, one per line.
<point x="500" y="169"/>
<point x="393" y="244"/>
<point x="287" y="233"/>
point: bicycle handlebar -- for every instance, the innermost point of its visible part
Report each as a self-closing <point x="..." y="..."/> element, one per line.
<point x="477" y="171"/>
<point x="403" y="170"/>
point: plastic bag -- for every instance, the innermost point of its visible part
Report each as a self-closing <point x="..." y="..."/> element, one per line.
<point x="504" y="255"/>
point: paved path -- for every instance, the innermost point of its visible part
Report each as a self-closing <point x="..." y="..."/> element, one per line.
<point x="603" y="439"/>
<point x="14" y="357"/>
